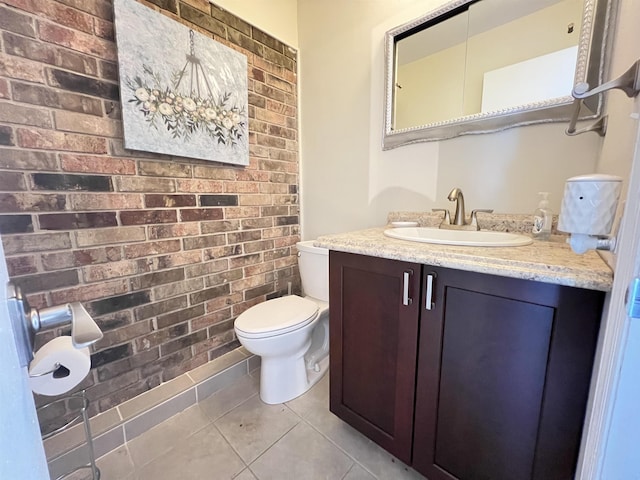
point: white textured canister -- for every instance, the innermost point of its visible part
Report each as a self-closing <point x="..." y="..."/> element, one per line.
<point x="589" y="204"/>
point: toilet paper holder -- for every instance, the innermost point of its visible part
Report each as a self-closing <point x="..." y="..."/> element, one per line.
<point x="27" y="321"/>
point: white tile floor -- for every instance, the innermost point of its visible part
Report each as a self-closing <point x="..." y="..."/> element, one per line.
<point x="233" y="435"/>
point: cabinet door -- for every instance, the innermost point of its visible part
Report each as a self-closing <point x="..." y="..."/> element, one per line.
<point x="503" y="377"/>
<point x="374" y="309"/>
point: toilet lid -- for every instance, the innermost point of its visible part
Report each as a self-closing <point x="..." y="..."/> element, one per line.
<point x="277" y="316"/>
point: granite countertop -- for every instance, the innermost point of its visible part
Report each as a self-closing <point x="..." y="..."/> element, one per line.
<point x="546" y="261"/>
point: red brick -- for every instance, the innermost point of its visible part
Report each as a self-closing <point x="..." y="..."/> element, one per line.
<point x="21" y="265"/>
<point x="50" y="54"/>
<point x="151" y="248"/>
<point x="77" y="41"/>
<point x="105" y="201"/>
<point x="275" y="188"/>
<point x="35" y="242"/>
<point x="164" y="169"/>
<point x="253" y="223"/>
<point x="210" y="319"/>
<point x="42" y="96"/>
<point x="177" y="259"/>
<point x="280" y="84"/>
<point x="26" y="160"/>
<point x="258" y="150"/>
<point x="280" y="108"/>
<point x="258" y="126"/>
<point x="241" y="212"/>
<point x="137" y="184"/>
<point x="277" y="232"/>
<point x="56" y="12"/>
<point x="77" y="258"/>
<point x="13" y="21"/>
<point x="89" y="124"/>
<point x="160" y="201"/>
<point x="221" y="226"/>
<point x="4" y="88"/>
<point x="203" y="5"/>
<point x="12" y="113"/>
<point x="271" y="141"/>
<point x="51" y="140"/>
<point x="221" y="302"/>
<point x="30" y="202"/>
<point x="241" y="187"/>
<point x="253" y="176"/>
<point x="103" y="28"/>
<point x="99" y="8"/>
<point x="206" y="268"/>
<point x="144" y="217"/>
<point x="259" y="269"/>
<point x="21" y="69"/>
<point x="92" y="164"/>
<point x="110" y="270"/>
<point x="282" y="132"/>
<point x="90" y="292"/>
<point x="215" y="173"/>
<point x="105" y="236"/>
<point x="199" y="214"/>
<point x="270" y="117"/>
<point x="177" y="288"/>
<point x="199" y="186"/>
<point x="285" y="155"/>
<point x="171" y="231"/>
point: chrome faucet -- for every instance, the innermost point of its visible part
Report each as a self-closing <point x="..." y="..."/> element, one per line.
<point x="459" y="218"/>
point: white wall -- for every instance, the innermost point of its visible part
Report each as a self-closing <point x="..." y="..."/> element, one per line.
<point x="618" y="147"/>
<point x="276" y="17"/>
<point x="348" y="182"/>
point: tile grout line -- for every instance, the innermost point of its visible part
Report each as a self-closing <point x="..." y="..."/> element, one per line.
<point x="356" y="462"/>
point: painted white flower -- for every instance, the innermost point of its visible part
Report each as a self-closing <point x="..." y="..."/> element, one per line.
<point x="227" y="123"/>
<point x="165" y="109"/>
<point x="146" y="105"/>
<point x="235" y="118"/>
<point x="189" y="105"/>
<point x="142" y="94"/>
<point x="210" y="113"/>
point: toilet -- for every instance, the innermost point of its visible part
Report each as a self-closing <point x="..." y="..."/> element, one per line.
<point x="291" y="333"/>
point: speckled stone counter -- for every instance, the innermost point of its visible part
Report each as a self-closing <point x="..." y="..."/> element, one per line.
<point x="551" y="262"/>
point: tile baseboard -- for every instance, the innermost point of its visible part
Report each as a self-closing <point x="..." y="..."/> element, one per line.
<point x="111" y="429"/>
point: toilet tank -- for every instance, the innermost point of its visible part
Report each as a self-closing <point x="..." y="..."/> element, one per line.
<point x="313" y="263"/>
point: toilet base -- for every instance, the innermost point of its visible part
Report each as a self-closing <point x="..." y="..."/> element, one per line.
<point x="282" y="381"/>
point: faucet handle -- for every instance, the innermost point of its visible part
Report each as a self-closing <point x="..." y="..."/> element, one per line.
<point x="447" y="216"/>
<point x="474" y="215"/>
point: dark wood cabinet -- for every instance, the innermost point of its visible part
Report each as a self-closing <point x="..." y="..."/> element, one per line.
<point x="499" y="367"/>
<point x="504" y="367"/>
<point x="373" y="347"/>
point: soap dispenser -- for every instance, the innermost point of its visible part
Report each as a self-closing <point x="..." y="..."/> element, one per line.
<point x="542" y="218"/>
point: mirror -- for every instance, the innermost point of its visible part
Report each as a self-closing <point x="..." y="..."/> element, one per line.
<point x="478" y="66"/>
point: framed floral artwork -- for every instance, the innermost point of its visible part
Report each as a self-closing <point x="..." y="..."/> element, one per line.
<point x="182" y="93"/>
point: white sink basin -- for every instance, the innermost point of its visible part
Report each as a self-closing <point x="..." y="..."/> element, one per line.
<point x="470" y="238"/>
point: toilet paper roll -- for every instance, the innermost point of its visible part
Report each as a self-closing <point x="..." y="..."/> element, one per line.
<point x="73" y="365"/>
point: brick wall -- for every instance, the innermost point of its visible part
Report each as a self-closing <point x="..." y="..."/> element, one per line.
<point x="164" y="252"/>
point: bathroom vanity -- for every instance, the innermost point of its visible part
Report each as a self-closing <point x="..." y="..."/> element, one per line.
<point x="466" y="363"/>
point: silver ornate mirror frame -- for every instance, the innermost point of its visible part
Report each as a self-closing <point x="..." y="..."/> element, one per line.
<point x="593" y="47"/>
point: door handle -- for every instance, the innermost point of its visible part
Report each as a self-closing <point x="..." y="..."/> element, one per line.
<point x="406" y="279"/>
<point x="429" y="304"/>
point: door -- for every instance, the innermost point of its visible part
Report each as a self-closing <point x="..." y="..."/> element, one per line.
<point x="503" y="375"/>
<point x="21" y="451"/>
<point x="373" y="331"/>
<point x="613" y="435"/>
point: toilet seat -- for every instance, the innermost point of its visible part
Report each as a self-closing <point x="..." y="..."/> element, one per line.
<point x="276" y="317"/>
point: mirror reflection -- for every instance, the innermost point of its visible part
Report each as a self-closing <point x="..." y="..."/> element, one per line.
<point x="485" y="56"/>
